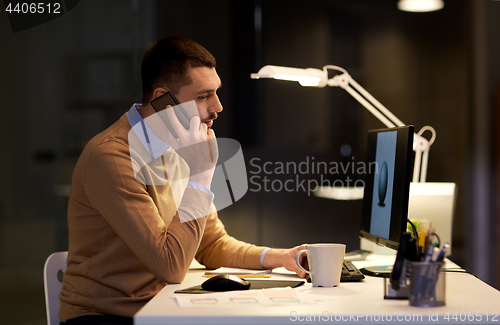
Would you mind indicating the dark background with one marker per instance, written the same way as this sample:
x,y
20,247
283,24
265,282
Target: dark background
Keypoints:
x,y
66,80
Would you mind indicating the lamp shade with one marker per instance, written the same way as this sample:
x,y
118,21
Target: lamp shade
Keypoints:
x,y
306,77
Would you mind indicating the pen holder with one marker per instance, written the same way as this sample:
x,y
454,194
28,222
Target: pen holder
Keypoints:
x,y
427,284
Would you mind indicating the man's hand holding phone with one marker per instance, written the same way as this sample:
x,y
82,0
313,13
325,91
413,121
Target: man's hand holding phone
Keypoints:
x,y
197,146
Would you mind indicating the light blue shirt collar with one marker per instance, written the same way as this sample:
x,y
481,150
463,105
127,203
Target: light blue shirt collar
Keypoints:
x,y
148,138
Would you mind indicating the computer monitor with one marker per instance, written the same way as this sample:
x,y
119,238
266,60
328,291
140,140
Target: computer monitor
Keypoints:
x,y
389,162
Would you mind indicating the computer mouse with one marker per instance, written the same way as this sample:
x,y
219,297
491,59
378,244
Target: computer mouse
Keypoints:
x,y
225,282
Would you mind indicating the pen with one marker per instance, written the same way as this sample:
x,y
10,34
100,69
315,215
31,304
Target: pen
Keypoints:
x,y
243,275
435,254
428,253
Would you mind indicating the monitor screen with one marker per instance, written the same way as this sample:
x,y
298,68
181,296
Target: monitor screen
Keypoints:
x,y
385,200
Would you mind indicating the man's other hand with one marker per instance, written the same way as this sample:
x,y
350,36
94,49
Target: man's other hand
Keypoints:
x,y
278,257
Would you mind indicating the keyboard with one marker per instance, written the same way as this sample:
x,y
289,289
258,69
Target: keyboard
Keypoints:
x,y
356,255
350,273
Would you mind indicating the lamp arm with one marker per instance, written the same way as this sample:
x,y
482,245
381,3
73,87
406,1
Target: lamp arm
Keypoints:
x,y
372,99
417,165
369,107
345,81
421,145
423,171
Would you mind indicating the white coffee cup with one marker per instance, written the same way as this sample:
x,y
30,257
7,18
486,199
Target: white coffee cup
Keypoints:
x,y
325,263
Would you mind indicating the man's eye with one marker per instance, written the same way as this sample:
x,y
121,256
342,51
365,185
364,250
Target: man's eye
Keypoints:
x,y
203,97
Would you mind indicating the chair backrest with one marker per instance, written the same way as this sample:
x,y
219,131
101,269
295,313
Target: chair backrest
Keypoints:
x,y
53,272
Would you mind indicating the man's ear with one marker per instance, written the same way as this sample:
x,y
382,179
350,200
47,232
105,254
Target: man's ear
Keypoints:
x,y
158,92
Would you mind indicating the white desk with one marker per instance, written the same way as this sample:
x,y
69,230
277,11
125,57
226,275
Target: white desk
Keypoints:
x,y
468,300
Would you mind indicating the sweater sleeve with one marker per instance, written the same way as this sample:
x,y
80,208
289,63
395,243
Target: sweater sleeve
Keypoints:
x,y
218,249
159,239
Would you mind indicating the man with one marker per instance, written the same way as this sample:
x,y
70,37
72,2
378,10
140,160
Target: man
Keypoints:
x,y
135,224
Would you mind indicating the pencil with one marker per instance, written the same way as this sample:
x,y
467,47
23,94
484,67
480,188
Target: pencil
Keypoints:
x,y
243,275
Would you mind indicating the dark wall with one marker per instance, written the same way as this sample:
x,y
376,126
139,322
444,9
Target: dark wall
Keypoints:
x,y
61,83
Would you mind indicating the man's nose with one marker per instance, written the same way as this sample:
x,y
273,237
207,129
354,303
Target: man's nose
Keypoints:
x,y
216,106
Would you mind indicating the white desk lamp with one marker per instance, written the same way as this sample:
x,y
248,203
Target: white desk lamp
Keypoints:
x,y
434,201
319,78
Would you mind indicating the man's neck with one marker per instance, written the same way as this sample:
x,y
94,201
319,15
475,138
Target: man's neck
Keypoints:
x,y
146,110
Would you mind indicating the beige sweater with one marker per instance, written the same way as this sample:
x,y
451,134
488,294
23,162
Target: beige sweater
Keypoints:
x,y
126,240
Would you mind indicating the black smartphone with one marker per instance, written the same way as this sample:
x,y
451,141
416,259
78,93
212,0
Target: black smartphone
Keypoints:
x,y
161,103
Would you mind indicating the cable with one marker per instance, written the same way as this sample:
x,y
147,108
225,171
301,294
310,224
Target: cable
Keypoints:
x,y
415,232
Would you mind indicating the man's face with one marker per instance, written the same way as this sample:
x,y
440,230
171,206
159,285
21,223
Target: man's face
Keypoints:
x,y
203,88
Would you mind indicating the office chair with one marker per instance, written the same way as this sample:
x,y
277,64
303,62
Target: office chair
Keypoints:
x,y
53,272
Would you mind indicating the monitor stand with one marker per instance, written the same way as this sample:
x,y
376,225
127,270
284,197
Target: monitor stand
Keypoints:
x,y
383,271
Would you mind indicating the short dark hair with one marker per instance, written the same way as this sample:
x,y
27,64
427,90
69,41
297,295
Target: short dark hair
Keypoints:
x,y
166,62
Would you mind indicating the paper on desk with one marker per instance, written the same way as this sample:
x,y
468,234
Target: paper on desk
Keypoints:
x,y
263,297
232,270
